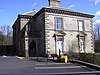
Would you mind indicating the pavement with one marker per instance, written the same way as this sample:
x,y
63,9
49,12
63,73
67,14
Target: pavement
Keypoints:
x,y
16,65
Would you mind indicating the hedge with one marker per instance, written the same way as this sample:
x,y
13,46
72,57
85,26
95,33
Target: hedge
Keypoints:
x,y
87,57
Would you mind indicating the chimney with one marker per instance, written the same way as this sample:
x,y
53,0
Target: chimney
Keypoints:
x,y
54,3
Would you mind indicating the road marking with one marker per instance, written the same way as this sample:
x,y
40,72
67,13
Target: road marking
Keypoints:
x,y
59,67
21,58
3,56
52,63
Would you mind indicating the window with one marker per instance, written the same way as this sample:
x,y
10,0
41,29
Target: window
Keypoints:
x,y
81,25
59,23
27,27
82,44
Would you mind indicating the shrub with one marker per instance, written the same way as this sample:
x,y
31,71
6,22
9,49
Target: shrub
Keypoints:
x,y
73,56
97,59
87,57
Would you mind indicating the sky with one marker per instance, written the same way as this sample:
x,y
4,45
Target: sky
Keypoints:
x,y
9,9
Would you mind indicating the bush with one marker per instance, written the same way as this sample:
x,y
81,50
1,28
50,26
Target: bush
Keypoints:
x,y
73,56
97,59
87,57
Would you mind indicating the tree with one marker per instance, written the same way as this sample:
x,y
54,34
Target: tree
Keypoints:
x,y
1,37
5,35
97,37
97,32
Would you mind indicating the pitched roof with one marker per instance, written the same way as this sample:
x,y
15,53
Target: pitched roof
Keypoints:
x,y
30,13
68,12
55,10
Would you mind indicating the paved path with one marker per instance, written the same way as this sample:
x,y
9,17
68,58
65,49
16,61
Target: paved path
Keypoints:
x,y
21,65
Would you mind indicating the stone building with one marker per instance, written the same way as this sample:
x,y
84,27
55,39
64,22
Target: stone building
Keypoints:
x,y
53,29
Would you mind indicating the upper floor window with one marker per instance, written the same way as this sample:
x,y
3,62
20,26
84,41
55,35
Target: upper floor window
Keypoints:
x,y
27,27
81,25
59,23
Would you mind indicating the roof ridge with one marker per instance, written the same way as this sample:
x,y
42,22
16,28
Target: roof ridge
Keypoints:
x,y
32,12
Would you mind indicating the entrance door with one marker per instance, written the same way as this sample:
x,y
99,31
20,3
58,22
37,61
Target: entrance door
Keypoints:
x,y
82,45
59,46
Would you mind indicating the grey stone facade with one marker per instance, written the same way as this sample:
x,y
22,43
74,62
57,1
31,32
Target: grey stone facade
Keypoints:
x,y
70,26
35,35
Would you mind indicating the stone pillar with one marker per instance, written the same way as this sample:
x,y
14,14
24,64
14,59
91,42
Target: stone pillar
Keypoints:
x,y
26,45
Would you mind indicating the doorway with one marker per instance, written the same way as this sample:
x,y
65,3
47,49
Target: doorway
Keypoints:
x,y
32,49
59,45
82,44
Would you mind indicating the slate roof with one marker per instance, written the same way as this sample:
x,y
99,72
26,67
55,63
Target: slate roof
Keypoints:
x,y
55,10
30,13
68,12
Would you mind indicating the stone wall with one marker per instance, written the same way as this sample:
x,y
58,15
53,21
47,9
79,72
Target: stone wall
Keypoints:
x,y
42,30
39,25
70,25
16,29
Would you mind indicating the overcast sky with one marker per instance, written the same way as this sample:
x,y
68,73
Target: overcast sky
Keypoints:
x,y
9,9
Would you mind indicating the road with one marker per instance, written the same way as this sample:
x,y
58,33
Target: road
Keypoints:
x,y
15,64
